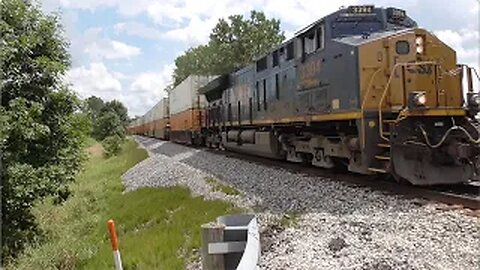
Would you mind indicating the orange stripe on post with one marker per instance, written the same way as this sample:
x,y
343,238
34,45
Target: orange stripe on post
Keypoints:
x,y
113,234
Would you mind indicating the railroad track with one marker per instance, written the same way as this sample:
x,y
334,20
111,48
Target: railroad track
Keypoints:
x,y
457,196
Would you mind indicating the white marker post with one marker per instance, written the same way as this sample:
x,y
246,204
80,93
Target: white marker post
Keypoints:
x,y
113,238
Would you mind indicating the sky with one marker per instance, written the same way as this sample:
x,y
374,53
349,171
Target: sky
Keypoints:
x,y
125,49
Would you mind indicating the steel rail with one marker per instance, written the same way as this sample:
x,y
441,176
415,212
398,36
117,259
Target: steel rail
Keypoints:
x,y
466,196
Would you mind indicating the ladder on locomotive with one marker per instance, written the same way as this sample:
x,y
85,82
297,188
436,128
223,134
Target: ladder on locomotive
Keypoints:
x,y
381,163
386,120
389,120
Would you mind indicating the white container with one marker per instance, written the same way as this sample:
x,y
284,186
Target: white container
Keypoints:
x,y
146,117
150,116
160,110
185,96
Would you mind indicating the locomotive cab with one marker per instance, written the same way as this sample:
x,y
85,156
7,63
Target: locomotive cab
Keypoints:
x,y
411,84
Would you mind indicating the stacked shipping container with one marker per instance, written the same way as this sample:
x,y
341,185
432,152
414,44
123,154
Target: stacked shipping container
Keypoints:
x,y
179,117
187,109
160,120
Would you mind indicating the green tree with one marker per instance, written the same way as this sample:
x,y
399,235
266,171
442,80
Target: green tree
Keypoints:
x,y
234,43
119,109
111,118
41,127
112,145
94,107
239,41
109,124
200,60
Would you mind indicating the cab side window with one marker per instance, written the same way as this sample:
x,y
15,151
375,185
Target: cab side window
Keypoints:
x,y
313,40
309,43
321,37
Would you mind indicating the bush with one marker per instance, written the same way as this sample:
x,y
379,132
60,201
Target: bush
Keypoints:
x,y
41,128
112,145
109,124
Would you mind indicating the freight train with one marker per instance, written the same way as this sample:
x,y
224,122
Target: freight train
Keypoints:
x,y
363,87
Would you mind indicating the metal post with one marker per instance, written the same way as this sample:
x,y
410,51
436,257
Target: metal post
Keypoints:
x,y
212,233
113,238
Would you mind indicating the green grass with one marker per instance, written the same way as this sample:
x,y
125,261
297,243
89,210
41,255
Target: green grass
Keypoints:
x,y
289,219
157,227
90,142
217,186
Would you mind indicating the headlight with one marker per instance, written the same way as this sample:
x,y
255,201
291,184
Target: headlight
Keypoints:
x,y
475,100
473,103
417,99
420,99
419,44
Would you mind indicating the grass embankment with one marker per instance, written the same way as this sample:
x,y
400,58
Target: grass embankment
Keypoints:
x,y
157,227
217,186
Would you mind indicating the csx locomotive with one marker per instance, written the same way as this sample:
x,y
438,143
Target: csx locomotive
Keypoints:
x,y
364,88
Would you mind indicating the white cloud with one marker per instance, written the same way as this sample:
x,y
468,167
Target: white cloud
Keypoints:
x,y
153,82
111,49
133,28
88,46
147,89
184,11
147,82
464,42
196,32
288,34
94,79
90,4
302,13
167,10
139,92
194,19
191,21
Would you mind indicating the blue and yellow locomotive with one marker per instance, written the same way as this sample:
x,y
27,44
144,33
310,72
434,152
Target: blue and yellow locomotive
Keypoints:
x,y
364,87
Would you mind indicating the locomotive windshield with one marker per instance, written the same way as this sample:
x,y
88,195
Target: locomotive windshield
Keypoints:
x,y
356,25
363,20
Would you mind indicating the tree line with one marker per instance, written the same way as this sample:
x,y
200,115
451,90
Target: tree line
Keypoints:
x,y
44,124
109,122
234,43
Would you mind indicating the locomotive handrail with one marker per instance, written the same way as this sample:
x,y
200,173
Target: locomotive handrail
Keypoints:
x,y
384,94
454,72
364,101
476,73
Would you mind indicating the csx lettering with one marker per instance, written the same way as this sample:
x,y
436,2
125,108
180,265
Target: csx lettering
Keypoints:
x,y
421,69
308,74
309,69
424,69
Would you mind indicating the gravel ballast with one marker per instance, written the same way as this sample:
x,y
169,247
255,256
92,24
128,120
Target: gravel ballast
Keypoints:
x,y
339,226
